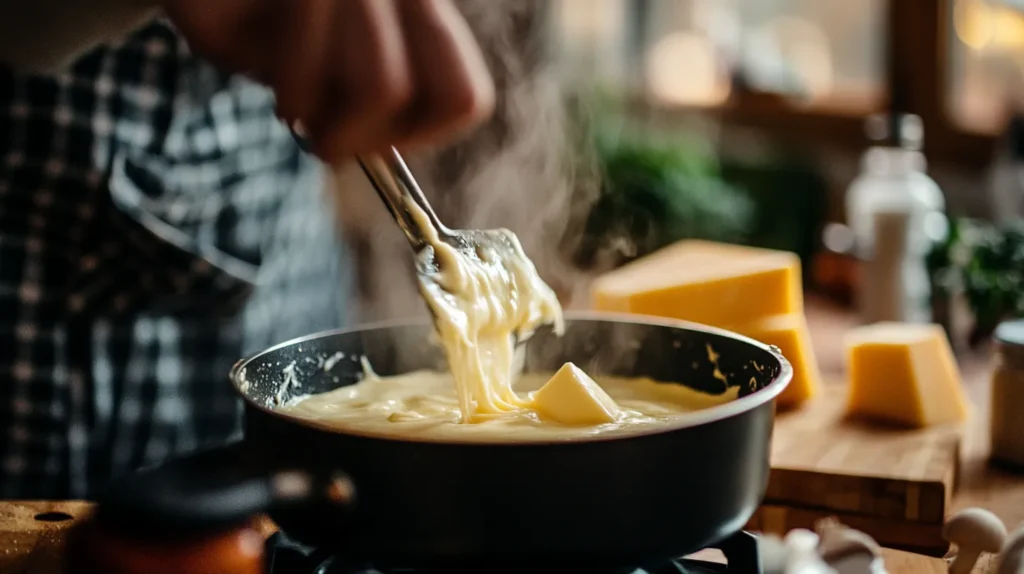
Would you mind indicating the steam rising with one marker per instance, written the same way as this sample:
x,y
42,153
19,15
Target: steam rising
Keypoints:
x,y
521,171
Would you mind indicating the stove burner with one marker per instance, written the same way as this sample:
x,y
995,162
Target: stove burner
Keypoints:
x,y
285,556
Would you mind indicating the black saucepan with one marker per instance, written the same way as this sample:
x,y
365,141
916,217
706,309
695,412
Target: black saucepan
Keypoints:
x,y
411,503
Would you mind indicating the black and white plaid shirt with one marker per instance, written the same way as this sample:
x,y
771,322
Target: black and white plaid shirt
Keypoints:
x,y
143,195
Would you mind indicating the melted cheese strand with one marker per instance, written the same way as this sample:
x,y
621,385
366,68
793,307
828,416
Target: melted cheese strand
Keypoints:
x,y
482,307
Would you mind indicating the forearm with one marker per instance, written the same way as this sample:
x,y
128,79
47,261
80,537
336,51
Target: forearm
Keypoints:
x,y
45,35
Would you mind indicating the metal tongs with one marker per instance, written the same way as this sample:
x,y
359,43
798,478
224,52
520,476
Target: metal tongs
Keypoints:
x,y
397,188
399,191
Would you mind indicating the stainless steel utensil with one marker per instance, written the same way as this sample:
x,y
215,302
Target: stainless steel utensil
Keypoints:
x,y
402,195
399,191
397,188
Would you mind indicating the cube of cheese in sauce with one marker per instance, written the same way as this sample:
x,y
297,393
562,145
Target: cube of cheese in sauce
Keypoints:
x,y
790,334
571,397
705,282
904,374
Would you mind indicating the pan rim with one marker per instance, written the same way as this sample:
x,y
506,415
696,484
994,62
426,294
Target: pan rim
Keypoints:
x,y
692,419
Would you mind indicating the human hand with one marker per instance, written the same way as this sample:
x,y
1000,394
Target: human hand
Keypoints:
x,y
360,75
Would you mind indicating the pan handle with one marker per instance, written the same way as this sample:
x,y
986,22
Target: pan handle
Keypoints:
x,y
215,490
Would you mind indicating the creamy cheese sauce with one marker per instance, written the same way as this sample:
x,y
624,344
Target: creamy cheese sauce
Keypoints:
x,y
424,405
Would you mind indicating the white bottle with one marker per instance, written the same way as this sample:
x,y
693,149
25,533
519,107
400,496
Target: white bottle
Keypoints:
x,y
896,213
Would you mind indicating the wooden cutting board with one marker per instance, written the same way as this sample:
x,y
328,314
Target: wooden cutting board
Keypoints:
x,y
893,484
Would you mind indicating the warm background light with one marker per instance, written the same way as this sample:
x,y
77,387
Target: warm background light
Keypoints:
x,y
683,69
984,26
806,50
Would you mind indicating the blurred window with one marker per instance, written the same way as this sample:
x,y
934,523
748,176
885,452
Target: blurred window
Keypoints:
x,y
812,69
986,62
826,53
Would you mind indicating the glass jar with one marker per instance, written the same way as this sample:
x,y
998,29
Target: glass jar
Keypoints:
x,y
1006,420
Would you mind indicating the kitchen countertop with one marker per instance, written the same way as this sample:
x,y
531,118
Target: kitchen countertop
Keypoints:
x,y
979,485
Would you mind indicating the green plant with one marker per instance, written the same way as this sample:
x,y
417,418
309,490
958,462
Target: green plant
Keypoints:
x,y
658,188
987,263
993,277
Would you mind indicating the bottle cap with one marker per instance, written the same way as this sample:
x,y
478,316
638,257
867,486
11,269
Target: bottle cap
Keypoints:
x,y
1010,333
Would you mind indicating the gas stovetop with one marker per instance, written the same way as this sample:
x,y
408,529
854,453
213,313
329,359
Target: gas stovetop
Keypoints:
x,y
285,556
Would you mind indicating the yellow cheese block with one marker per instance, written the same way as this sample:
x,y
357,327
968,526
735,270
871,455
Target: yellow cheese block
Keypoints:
x,y
754,292
705,282
790,334
904,374
572,397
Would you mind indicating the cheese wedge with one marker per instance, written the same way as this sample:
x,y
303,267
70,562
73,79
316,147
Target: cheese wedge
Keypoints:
x,y
790,334
573,398
754,292
705,282
904,374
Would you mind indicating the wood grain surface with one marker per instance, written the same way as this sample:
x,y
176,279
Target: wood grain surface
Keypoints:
x,y
33,534
916,537
895,484
899,562
979,484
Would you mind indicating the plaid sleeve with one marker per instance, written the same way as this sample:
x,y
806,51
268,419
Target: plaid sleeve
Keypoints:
x,y
156,222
